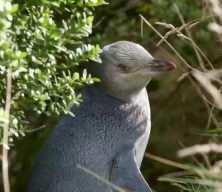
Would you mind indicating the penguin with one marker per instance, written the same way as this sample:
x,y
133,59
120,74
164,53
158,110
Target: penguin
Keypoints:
x,y
109,131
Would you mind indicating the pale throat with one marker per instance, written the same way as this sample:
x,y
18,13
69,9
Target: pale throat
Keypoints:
x,y
128,95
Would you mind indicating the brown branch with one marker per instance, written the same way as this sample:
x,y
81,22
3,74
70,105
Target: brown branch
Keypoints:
x,y
5,170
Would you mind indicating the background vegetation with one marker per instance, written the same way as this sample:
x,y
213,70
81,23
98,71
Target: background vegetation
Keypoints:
x,y
42,44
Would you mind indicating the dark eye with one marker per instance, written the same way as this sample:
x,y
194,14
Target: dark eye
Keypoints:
x,y
123,67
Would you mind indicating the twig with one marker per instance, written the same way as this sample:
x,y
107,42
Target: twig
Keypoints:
x,y
5,170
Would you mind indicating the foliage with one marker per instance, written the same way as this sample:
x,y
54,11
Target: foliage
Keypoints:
x,y
43,43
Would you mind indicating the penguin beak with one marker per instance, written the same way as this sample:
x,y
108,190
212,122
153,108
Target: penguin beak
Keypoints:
x,y
162,65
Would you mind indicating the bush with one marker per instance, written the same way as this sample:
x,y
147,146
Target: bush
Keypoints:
x,y
43,42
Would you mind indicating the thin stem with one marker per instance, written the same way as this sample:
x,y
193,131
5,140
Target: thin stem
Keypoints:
x,y
188,66
5,170
196,48
171,47
167,162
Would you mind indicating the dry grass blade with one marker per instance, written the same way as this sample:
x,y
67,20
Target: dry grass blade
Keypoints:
x,y
168,43
187,27
190,36
200,149
199,171
175,30
196,48
205,82
166,25
214,75
93,174
202,182
217,167
167,161
216,26
216,8
184,61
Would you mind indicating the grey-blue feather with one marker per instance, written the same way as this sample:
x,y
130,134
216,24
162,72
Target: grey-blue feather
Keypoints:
x,y
109,132
102,128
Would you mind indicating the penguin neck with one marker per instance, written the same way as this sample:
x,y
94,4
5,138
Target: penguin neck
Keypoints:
x,y
129,97
135,96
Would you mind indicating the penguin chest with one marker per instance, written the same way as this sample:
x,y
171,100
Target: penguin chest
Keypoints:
x,y
126,125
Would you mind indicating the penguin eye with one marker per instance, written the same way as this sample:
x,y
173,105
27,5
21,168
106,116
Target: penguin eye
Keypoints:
x,y
123,67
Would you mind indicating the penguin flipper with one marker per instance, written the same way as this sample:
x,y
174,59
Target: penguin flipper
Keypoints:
x,y
126,174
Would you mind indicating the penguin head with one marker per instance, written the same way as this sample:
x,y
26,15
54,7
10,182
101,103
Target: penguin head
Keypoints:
x,y
127,68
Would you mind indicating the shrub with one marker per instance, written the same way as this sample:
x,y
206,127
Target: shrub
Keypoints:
x,y
42,43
